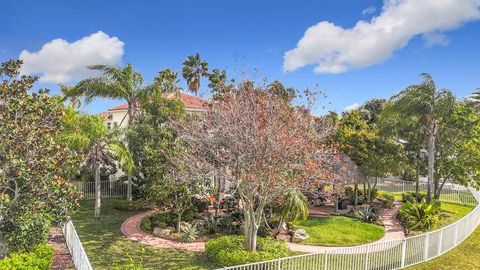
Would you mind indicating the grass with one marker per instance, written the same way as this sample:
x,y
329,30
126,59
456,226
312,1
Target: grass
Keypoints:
x,y
452,212
464,256
107,248
339,231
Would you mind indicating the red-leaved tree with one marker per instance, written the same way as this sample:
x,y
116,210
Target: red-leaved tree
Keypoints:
x,y
263,145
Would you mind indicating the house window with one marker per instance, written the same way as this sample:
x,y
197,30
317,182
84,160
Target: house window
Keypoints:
x,y
109,125
115,125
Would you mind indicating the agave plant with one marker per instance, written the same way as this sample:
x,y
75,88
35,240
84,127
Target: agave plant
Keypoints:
x,y
190,233
366,215
421,215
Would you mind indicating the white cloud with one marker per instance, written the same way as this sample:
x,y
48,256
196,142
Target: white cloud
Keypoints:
x,y
433,38
369,10
351,107
335,49
59,61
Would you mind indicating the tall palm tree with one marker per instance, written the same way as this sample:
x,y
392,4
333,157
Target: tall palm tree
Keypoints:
x,y
117,83
72,94
193,69
429,105
97,144
475,98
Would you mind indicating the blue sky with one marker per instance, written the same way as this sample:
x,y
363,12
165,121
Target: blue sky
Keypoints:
x,y
248,35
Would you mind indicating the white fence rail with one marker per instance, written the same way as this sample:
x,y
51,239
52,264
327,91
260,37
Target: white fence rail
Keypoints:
x,y
75,247
388,255
107,189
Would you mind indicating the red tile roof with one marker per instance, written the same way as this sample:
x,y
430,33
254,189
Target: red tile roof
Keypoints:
x,y
190,102
105,115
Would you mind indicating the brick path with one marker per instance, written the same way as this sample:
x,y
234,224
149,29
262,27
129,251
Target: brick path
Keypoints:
x,y
131,229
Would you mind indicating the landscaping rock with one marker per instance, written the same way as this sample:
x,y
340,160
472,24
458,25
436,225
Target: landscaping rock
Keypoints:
x,y
299,235
283,237
161,232
183,225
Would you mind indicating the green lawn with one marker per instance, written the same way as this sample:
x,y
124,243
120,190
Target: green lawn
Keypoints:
x,y
452,212
464,256
107,248
339,231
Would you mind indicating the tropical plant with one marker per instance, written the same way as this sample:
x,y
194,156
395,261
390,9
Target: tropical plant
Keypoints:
x,y
218,84
193,70
34,164
430,106
366,214
167,81
294,207
420,215
190,233
72,94
88,133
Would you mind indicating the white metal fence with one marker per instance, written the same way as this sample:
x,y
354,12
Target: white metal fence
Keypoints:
x,y
388,255
75,247
107,189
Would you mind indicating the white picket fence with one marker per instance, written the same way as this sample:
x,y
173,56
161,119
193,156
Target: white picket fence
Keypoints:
x,y
388,255
107,189
79,256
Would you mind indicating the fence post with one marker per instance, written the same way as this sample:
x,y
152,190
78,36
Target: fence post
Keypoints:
x,y
279,264
404,251
427,240
326,261
366,257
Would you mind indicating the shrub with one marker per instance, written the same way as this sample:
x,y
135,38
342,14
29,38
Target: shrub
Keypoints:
x,y
211,224
125,205
387,200
420,215
146,224
229,250
366,215
40,258
412,197
190,234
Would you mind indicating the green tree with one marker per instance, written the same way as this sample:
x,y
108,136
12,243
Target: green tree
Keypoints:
x,y
117,83
294,207
167,81
219,85
72,94
152,142
278,89
194,68
458,148
98,145
34,163
375,155
430,106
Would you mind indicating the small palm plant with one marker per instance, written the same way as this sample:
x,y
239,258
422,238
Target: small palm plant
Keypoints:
x,y
295,207
421,215
190,233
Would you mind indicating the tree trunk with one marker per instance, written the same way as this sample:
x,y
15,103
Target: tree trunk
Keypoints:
x,y
417,176
250,230
97,191
179,220
431,156
355,194
129,187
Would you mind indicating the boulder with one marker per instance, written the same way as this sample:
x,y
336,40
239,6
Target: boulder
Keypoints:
x,y
299,235
183,225
283,237
159,232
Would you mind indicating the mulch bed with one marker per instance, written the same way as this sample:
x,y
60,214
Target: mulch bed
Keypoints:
x,y
61,257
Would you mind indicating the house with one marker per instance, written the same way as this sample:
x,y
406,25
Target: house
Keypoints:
x,y
117,116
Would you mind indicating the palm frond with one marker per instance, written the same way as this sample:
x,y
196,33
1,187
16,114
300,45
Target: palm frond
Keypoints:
x,y
123,154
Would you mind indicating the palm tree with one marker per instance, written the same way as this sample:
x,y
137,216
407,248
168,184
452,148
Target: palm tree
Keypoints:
x,y
294,207
97,144
72,94
193,69
429,105
117,83
475,98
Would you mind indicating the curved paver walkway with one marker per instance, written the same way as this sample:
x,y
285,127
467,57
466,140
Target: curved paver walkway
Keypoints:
x,y
393,231
131,229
